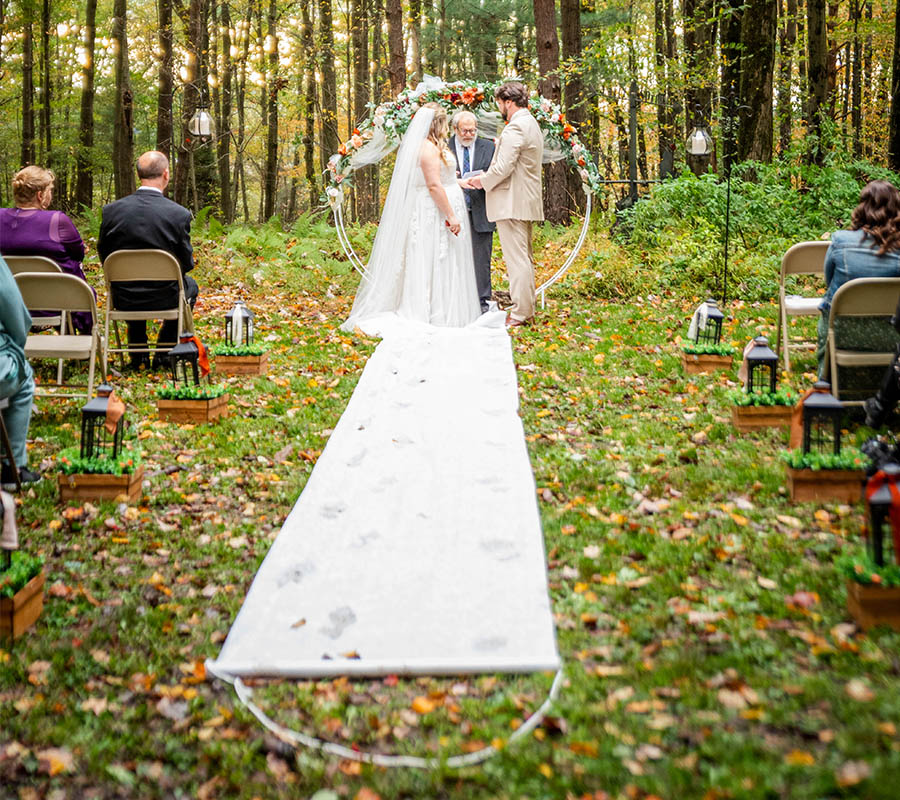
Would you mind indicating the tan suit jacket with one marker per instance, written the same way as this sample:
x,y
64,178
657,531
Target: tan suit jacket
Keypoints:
x,y
513,181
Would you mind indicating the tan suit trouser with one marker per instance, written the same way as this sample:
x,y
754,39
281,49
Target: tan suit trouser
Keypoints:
x,y
515,240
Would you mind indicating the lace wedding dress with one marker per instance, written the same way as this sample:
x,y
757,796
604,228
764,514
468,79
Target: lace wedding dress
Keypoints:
x,y
418,270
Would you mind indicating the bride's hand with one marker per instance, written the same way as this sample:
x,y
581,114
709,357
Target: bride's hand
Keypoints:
x,y
454,225
464,183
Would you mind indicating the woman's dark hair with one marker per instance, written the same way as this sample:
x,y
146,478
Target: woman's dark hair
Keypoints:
x,y
878,215
515,91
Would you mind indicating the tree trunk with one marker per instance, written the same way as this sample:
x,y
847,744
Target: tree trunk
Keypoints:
x,y
555,206
856,81
328,114
27,82
365,194
757,73
309,106
166,86
664,115
699,44
84,181
734,56
272,84
894,137
442,39
817,76
415,37
123,125
787,40
570,17
396,55
223,116
185,168
45,127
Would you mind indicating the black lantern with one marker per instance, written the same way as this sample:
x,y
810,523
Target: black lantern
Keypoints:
x,y
822,415
880,523
239,325
96,440
712,333
183,362
762,366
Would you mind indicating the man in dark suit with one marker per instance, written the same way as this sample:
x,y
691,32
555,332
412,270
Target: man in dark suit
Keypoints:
x,y
475,153
148,220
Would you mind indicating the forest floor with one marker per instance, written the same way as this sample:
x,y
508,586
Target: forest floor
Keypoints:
x,y
707,649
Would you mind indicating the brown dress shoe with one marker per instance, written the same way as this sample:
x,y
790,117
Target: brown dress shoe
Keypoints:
x,y
512,322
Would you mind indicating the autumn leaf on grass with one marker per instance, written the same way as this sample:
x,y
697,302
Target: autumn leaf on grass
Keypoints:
x,y
799,758
366,794
852,773
55,760
859,690
423,705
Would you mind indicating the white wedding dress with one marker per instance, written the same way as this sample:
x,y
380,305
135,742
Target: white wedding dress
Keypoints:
x,y
419,271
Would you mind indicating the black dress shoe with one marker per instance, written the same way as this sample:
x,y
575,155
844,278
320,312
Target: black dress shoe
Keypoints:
x,y
8,481
875,412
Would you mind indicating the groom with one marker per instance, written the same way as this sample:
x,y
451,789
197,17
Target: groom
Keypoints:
x,y
475,153
514,196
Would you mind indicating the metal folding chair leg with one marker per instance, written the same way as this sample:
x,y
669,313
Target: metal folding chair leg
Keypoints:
x,y
7,446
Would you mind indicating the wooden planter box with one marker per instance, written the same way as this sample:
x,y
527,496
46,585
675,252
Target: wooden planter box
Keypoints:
x,y
107,487
19,612
193,410
873,605
836,485
243,365
756,418
694,364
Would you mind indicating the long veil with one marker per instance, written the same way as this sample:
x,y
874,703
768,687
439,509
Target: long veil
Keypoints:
x,y
380,289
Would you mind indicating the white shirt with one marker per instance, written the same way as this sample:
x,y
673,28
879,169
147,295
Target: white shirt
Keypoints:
x,y
149,189
459,154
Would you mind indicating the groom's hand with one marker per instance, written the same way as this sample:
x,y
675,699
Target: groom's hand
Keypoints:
x,y
475,182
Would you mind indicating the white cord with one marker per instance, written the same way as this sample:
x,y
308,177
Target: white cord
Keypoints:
x,y
245,695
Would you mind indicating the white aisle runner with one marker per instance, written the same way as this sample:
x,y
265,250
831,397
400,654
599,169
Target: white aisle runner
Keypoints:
x,y
416,546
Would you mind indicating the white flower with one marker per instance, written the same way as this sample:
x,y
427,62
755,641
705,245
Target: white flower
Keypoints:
x,y
335,196
576,149
545,105
554,118
583,173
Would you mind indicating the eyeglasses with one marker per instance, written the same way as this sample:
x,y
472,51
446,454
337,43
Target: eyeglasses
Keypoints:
x,y
468,130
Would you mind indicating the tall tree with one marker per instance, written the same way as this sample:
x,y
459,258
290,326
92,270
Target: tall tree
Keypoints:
x,y
273,83
894,140
817,75
328,113
185,174
665,115
393,10
123,124
224,86
570,18
45,129
855,63
28,82
699,44
309,106
758,27
415,37
365,188
165,80
787,39
555,205
84,181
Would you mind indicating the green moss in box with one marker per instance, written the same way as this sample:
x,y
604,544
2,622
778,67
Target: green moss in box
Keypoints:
x,y
190,392
693,349
23,568
848,458
240,350
71,462
783,397
860,568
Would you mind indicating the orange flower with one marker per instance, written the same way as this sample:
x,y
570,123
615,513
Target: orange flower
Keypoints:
x,y
581,162
343,149
876,578
566,135
356,132
566,128
468,96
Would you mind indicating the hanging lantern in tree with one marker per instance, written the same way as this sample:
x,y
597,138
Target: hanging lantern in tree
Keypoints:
x,y
883,498
822,415
200,125
239,326
97,440
762,367
183,363
711,333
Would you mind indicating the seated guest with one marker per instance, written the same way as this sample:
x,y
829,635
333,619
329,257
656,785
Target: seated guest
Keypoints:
x,y
31,229
16,378
147,220
870,249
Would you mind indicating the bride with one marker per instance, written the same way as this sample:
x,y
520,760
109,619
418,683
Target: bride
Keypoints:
x,y
421,265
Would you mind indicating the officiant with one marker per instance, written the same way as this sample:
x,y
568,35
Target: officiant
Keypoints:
x,y
474,154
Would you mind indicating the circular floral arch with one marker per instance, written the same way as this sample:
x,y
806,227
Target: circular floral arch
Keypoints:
x,y
381,132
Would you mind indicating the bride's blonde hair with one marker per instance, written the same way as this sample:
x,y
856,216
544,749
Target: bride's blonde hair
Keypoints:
x,y
437,134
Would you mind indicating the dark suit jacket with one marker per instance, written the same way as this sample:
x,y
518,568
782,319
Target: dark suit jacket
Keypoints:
x,y
146,220
481,159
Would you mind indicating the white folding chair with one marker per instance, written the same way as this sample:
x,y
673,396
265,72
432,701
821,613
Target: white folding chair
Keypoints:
x,y
127,266
19,264
45,291
805,258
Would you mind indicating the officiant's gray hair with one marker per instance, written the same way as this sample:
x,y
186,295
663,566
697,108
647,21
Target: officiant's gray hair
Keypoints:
x,y
459,116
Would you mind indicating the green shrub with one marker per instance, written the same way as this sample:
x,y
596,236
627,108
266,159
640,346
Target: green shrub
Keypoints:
x,y
782,397
860,567
709,349
239,350
848,458
71,462
202,392
23,568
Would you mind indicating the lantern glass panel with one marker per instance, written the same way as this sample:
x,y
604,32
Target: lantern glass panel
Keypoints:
x,y
762,367
712,333
822,416
183,364
239,326
880,538
96,439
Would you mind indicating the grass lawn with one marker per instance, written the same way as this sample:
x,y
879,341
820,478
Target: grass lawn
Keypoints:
x,y
707,649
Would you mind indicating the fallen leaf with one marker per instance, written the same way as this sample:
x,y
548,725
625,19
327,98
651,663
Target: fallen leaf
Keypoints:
x,y
859,690
96,704
731,699
852,773
55,760
766,583
422,705
799,758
